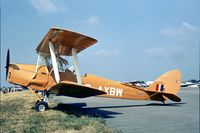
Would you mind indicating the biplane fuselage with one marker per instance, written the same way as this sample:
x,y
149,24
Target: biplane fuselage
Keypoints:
x,y
55,77
25,75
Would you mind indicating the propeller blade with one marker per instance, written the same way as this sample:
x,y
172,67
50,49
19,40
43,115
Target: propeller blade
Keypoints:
x,y
7,62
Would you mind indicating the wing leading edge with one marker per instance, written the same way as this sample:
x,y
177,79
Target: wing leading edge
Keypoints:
x,y
72,89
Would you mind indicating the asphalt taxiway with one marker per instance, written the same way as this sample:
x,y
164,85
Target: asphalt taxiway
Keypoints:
x,y
141,116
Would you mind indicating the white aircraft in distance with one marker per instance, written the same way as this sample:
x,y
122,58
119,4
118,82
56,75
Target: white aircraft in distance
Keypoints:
x,y
138,83
191,83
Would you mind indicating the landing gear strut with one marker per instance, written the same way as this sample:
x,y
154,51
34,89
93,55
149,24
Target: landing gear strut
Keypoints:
x,y
42,104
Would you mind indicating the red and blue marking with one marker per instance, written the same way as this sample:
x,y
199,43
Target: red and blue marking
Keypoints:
x,y
160,87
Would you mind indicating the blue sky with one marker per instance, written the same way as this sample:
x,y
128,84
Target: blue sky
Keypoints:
x,y
137,39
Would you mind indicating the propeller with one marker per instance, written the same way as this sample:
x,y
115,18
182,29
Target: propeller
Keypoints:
x,y
7,63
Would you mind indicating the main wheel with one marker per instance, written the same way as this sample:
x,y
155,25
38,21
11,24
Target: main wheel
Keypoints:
x,y
41,106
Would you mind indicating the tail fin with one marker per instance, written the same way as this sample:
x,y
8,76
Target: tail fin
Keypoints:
x,y
166,86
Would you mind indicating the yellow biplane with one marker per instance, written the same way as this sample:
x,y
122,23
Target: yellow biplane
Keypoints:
x,y
51,74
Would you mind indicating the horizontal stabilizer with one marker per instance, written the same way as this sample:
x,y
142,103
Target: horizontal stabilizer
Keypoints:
x,y
172,97
72,89
166,87
161,96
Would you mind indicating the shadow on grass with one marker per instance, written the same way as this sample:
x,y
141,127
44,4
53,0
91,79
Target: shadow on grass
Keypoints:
x,y
80,109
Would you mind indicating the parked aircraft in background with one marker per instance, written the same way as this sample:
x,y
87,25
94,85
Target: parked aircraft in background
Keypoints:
x,y
191,83
149,82
52,74
138,83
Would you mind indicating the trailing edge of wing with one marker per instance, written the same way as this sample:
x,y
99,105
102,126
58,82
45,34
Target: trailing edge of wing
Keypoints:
x,y
74,90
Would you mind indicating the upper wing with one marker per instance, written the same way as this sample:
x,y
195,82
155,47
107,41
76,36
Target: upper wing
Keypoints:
x,y
64,40
72,89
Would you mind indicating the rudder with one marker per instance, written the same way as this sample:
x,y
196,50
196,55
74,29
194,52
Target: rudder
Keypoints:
x,y
167,85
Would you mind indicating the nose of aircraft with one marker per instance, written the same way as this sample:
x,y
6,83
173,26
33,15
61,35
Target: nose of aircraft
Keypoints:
x,y
7,62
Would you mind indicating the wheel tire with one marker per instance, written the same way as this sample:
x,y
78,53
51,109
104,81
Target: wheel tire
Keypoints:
x,y
41,106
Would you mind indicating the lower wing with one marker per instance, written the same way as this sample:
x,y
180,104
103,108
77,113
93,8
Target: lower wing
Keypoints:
x,y
72,89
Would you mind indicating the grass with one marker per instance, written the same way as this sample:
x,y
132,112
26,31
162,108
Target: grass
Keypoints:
x,y
18,115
